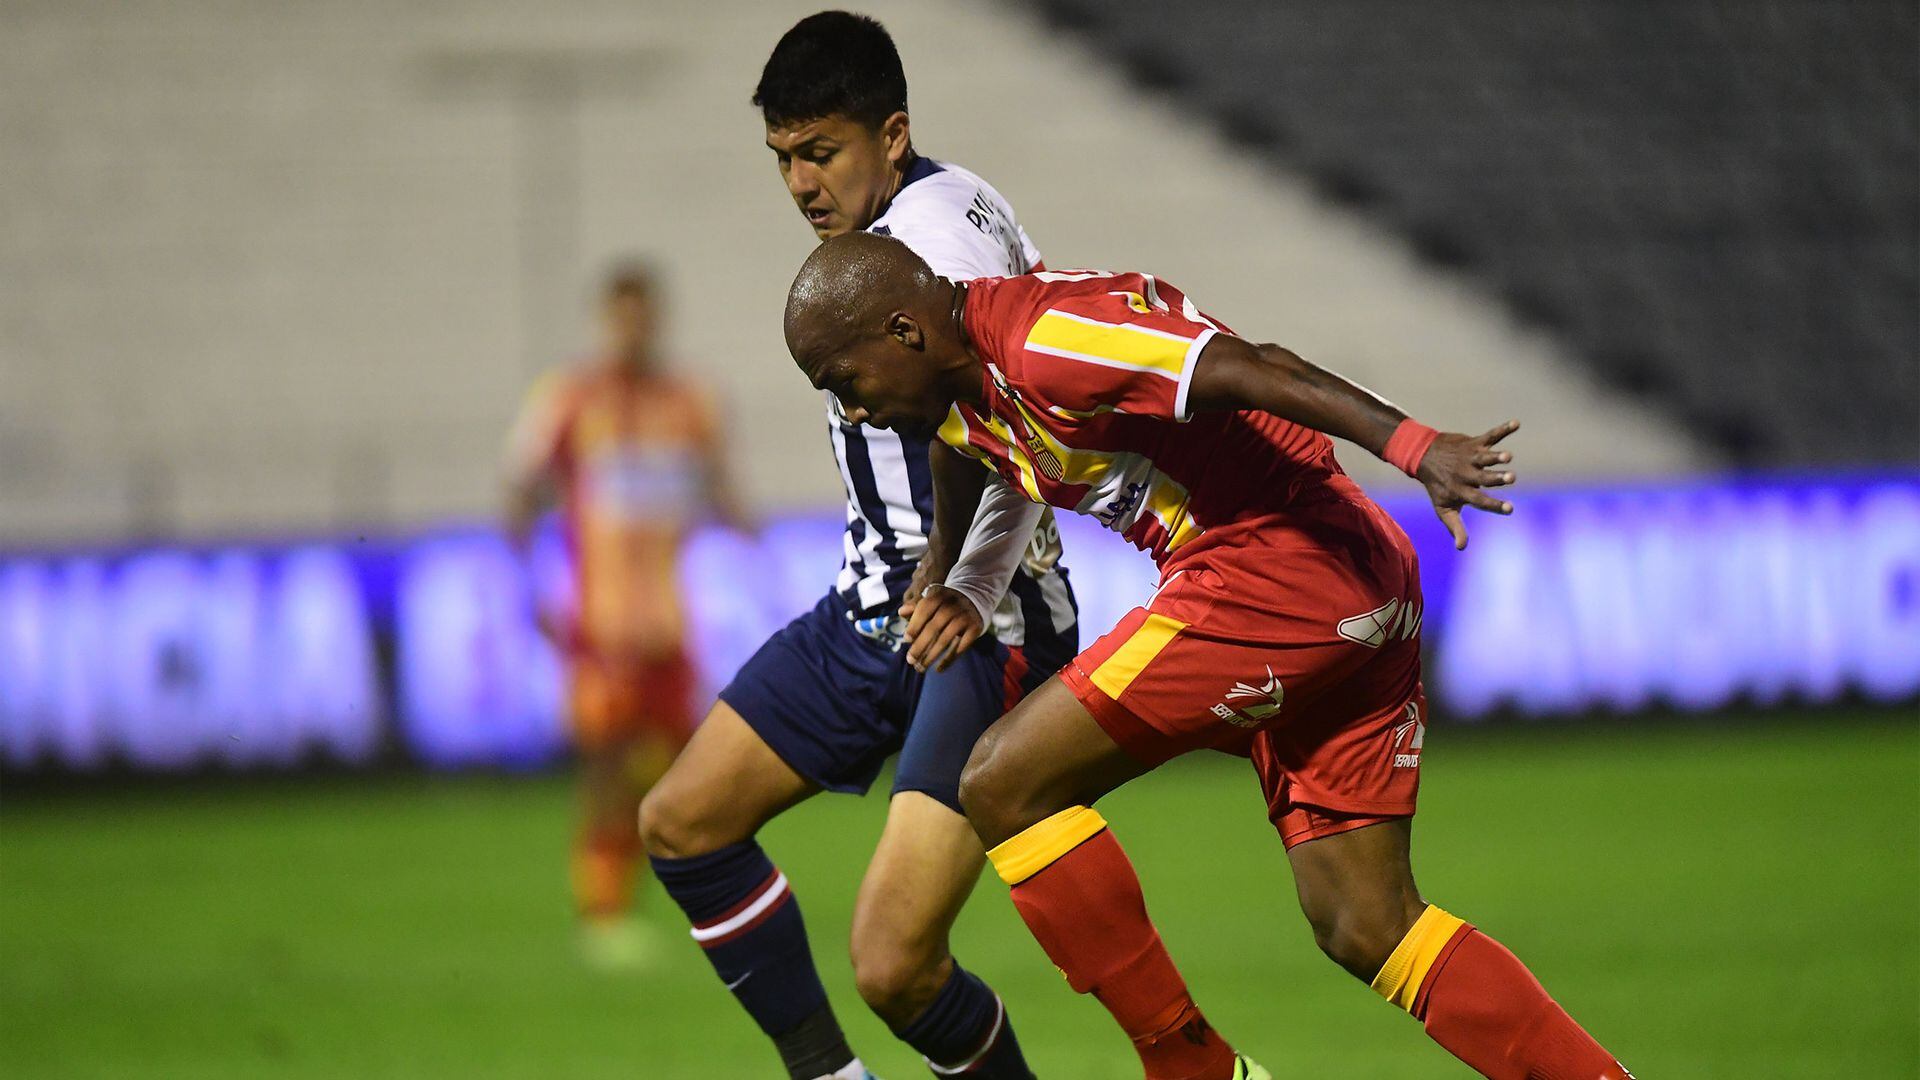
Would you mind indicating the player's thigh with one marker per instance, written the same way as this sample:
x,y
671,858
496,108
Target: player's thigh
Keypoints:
x,y
1357,890
1046,755
922,872
725,785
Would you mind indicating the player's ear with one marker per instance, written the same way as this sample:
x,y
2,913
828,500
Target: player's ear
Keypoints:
x,y
896,133
905,329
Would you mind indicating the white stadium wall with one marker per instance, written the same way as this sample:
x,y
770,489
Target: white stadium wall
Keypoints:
x,y
272,268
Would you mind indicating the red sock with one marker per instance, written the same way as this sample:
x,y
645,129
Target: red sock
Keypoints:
x,y
1084,907
605,863
1482,1004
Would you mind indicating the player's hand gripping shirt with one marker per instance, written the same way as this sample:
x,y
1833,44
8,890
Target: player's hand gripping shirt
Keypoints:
x,y
1087,375
630,457
963,229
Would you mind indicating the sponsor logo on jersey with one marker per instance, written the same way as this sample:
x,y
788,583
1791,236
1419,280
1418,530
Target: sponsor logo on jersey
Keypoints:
x,y
1252,704
1390,621
1408,738
1044,458
1122,504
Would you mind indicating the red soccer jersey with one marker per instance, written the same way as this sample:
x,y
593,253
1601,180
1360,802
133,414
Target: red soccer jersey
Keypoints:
x,y
1086,409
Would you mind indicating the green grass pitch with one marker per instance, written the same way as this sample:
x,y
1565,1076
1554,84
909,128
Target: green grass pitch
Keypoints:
x,y
1740,900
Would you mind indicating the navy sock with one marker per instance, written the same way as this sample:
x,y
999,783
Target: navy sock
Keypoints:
x,y
966,1029
748,921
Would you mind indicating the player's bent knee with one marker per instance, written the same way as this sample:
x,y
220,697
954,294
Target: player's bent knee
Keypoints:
x,y
1357,940
674,826
984,792
999,797
660,832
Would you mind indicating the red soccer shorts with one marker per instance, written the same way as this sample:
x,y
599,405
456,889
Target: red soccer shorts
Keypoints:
x,y
612,702
1295,643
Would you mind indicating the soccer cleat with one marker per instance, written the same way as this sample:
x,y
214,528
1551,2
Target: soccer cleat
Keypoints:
x,y
852,1070
619,945
1245,1068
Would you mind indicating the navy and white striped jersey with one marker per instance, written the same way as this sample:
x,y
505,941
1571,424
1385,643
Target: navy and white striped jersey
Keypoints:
x,y
963,229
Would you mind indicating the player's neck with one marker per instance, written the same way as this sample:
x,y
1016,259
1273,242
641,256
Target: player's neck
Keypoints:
x,y
966,381
633,365
899,180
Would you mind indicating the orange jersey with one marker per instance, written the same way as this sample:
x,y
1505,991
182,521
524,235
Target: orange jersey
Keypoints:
x,y
630,455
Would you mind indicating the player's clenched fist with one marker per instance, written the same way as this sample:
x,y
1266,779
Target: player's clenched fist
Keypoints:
x,y
941,625
1457,468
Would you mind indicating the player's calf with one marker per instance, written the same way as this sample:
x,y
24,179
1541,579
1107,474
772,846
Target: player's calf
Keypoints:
x,y
1072,883
923,869
1476,999
1481,1003
897,983
964,1028
698,826
1357,891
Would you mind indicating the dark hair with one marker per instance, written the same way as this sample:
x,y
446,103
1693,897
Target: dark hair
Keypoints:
x,y
833,63
628,277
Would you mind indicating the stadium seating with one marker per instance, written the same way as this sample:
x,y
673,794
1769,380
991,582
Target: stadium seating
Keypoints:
x,y
1716,203
278,271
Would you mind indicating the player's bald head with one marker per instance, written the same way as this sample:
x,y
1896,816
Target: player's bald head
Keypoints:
x,y
846,290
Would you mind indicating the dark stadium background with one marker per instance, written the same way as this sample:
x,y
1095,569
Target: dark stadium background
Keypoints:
x,y
282,784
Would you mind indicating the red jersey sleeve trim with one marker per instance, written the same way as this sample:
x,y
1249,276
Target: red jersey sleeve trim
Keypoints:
x,y
1192,361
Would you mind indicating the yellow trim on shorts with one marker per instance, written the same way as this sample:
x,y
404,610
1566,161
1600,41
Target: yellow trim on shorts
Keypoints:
x,y
1041,844
1118,671
1400,977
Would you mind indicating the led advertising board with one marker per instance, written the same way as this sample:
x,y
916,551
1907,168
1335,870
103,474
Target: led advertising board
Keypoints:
x,y
1682,596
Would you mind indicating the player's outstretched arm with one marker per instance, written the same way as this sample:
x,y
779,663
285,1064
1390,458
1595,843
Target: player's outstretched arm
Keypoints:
x,y
1233,374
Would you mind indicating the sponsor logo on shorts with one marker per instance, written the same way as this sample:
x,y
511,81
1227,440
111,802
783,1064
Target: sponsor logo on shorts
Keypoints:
x,y
1390,621
1261,702
887,631
1408,737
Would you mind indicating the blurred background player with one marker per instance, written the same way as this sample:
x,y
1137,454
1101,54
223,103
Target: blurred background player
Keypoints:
x,y
632,454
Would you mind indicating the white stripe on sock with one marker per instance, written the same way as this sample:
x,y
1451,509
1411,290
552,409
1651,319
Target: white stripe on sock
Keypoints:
x,y
993,1036
751,912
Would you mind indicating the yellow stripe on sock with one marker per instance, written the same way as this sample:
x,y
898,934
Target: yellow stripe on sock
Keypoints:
x,y
1400,977
1040,844
1119,670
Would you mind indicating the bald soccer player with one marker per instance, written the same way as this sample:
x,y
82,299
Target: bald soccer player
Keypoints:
x,y
1286,624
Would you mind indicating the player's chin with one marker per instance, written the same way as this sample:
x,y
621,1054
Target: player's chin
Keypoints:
x,y
912,427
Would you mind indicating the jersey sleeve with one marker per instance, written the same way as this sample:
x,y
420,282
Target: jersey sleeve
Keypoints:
x,y
537,444
1119,350
998,540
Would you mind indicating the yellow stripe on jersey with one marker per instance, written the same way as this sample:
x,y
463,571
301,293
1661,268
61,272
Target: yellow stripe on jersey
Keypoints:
x,y
1127,662
953,432
1168,502
1115,344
